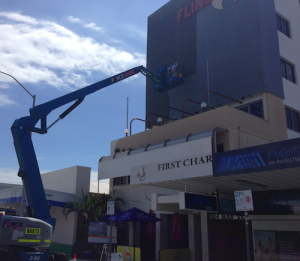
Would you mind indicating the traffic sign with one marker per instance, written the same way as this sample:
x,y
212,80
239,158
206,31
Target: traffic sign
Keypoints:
x,y
110,208
243,200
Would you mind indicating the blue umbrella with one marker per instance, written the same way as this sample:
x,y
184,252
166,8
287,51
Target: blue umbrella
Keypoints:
x,y
135,214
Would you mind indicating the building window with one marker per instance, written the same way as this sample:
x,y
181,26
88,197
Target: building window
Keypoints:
x,y
292,120
283,25
255,108
287,70
121,180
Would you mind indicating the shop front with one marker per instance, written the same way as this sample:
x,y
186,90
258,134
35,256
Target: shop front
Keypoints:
x,y
271,171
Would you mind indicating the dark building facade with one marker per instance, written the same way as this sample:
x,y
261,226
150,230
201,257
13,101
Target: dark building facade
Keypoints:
x,y
238,44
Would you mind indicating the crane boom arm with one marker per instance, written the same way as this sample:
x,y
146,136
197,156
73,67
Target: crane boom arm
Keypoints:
x,y
22,128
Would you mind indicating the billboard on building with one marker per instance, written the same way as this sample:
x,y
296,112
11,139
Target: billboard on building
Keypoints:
x,y
272,156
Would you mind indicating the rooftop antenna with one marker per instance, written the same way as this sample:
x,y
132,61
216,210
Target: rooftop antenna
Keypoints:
x,y
208,92
126,130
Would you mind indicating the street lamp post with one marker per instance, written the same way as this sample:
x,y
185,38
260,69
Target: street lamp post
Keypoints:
x,y
33,104
33,96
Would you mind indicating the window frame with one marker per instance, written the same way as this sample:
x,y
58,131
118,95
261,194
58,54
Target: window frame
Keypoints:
x,y
280,27
248,108
291,111
286,76
119,181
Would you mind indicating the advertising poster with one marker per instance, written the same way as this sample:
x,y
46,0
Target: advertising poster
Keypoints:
x,y
265,248
99,232
276,245
127,253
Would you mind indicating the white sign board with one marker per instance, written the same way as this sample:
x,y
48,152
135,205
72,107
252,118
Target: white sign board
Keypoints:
x,y
110,207
184,160
116,257
243,200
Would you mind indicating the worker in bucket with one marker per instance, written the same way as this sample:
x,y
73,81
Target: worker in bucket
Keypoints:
x,y
175,69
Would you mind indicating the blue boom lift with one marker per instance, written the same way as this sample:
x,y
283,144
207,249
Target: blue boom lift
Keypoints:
x,y
28,238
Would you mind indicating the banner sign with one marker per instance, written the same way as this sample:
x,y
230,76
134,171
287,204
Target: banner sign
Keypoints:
x,y
99,232
199,202
273,156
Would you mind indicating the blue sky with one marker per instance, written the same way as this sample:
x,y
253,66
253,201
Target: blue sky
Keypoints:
x,y
55,47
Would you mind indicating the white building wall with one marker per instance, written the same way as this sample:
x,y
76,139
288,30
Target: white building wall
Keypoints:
x,y
290,51
136,196
65,229
70,180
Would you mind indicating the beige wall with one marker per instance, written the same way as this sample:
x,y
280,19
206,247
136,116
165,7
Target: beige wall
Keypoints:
x,y
243,129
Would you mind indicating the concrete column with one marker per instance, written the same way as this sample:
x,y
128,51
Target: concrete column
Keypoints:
x,y
161,234
194,222
204,235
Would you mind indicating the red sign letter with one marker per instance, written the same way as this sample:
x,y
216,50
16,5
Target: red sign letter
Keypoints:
x,y
179,15
198,4
186,14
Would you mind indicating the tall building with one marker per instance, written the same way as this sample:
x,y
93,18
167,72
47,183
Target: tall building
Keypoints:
x,y
241,58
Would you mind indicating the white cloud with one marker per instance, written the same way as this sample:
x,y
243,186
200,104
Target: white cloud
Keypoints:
x,y
40,51
94,177
135,32
73,19
4,100
4,85
92,26
45,171
19,18
10,176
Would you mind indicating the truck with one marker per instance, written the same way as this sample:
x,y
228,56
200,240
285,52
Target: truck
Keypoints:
x,y
29,238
